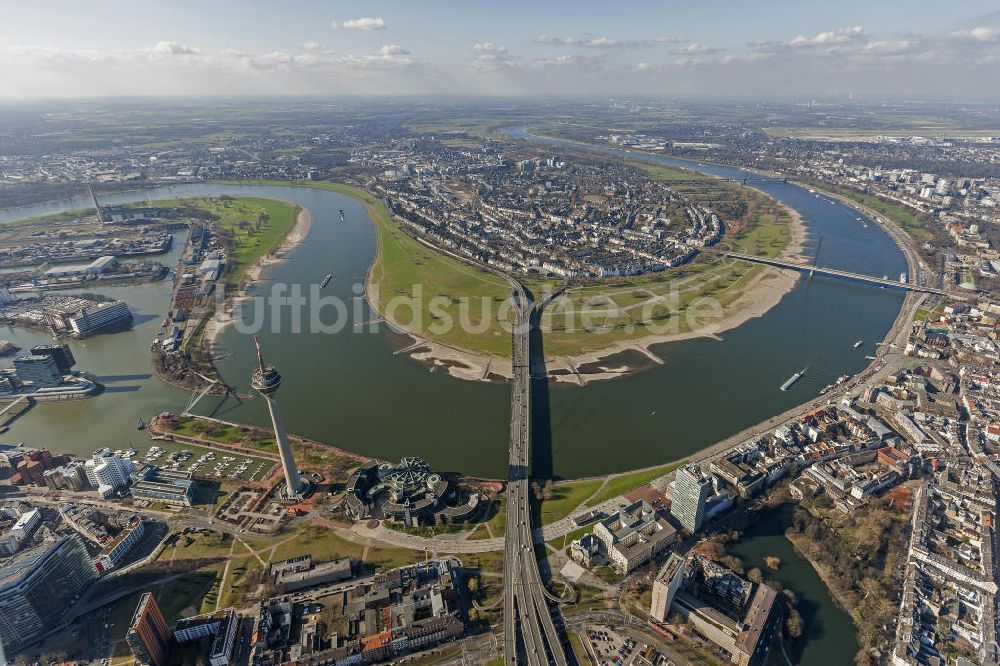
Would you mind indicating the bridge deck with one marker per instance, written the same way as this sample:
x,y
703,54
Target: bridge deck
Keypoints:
x,y
808,268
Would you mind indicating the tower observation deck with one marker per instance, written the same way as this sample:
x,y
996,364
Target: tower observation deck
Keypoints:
x,y
266,380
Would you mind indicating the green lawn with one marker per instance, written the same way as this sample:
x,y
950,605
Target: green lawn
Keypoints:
x,y
566,496
324,545
204,543
491,562
243,576
637,307
255,227
660,172
193,593
498,522
582,657
619,485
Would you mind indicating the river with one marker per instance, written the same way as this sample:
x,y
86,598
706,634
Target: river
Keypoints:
x,y
349,390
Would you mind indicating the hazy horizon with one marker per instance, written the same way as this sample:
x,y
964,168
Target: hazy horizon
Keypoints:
x,y
64,50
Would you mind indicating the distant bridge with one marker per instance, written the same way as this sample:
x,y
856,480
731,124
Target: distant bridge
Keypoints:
x,y
715,181
808,268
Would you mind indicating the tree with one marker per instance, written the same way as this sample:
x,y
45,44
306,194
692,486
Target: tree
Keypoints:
x,y
772,562
755,576
794,624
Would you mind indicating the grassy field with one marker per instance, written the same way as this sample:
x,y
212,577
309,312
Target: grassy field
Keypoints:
x,y
192,593
618,485
566,496
255,227
203,543
498,522
243,574
589,317
660,172
324,545
335,465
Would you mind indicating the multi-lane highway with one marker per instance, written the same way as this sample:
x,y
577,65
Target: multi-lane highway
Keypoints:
x,y
530,634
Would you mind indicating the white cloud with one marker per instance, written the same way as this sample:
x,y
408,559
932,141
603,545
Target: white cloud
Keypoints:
x,y
697,49
386,57
362,23
312,46
832,37
980,33
491,57
489,47
173,48
890,46
393,50
603,42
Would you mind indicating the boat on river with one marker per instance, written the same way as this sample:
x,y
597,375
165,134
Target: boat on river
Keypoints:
x,y
791,380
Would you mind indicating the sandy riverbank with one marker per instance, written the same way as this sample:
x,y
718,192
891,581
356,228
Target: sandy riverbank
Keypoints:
x,y
220,319
764,291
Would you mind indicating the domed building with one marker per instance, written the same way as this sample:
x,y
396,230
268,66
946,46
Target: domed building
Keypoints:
x,y
409,492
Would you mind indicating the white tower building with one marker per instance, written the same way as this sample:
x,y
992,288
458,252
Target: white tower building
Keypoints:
x,y
266,381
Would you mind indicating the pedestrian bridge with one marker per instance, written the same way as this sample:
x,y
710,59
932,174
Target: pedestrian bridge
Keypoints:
x,y
811,269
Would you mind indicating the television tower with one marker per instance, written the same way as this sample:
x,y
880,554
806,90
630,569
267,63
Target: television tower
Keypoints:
x,y
266,381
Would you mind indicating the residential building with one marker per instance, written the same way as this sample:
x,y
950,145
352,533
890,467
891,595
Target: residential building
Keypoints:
x,y
221,625
148,635
115,552
67,477
665,586
37,587
108,472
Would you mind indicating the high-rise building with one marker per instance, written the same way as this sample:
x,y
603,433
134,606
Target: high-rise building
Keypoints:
x,y
61,353
39,371
267,381
149,635
108,472
71,476
221,626
38,586
665,586
691,490
99,317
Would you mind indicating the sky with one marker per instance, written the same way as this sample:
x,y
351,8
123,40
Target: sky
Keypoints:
x,y
100,48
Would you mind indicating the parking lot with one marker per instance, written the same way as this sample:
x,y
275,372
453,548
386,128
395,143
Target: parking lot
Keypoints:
x,y
611,648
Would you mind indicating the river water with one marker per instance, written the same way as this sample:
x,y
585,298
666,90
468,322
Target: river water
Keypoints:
x,y
348,389
830,638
